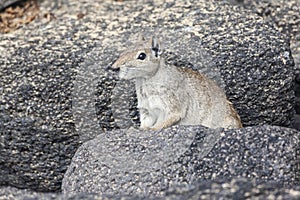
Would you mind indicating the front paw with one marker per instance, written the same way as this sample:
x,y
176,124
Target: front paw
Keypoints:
x,y
156,128
153,128
147,122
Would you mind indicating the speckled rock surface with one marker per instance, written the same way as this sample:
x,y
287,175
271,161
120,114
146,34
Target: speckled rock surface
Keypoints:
x,y
233,188
5,3
130,162
50,65
284,14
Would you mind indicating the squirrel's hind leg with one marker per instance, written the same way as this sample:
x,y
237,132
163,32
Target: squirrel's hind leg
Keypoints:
x,y
172,119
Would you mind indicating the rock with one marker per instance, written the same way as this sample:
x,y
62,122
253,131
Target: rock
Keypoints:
x,y
11,193
296,122
57,90
5,3
284,15
148,163
129,161
234,188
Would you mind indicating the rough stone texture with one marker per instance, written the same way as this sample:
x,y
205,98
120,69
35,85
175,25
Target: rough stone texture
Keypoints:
x,y
284,14
132,161
43,64
128,162
234,188
38,137
5,3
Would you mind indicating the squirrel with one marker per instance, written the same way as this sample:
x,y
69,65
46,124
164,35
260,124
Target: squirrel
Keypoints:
x,y
168,95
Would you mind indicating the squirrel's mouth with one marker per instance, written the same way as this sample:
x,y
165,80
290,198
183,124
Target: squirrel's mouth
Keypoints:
x,y
114,69
129,67
126,73
131,72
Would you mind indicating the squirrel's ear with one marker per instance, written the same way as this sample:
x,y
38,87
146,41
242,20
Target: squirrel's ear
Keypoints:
x,y
155,46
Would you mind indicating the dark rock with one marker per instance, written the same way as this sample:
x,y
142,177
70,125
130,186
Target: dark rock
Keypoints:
x,y
296,123
284,15
33,157
266,153
38,137
297,106
148,163
5,3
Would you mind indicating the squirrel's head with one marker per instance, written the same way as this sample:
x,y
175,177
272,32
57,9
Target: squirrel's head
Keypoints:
x,y
140,61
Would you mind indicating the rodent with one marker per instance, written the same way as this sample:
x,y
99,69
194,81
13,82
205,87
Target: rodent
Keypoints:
x,y
168,95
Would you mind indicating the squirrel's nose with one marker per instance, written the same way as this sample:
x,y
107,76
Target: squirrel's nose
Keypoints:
x,y
115,66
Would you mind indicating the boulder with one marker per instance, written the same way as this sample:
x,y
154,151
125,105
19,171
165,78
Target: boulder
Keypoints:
x,y
233,188
284,15
134,162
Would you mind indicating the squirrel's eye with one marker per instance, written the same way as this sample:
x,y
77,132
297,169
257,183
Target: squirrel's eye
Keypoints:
x,y
142,56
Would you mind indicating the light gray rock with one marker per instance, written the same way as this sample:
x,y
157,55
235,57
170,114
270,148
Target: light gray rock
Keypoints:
x,y
148,163
129,161
233,188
